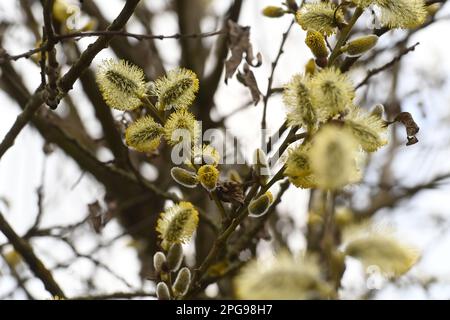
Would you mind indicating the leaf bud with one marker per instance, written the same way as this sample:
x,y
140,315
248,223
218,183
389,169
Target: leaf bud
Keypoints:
x,y
182,282
273,12
175,257
259,206
184,177
162,291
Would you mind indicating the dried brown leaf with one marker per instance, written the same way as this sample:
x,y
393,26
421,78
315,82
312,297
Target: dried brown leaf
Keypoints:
x,y
231,191
247,78
95,216
411,127
239,44
98,217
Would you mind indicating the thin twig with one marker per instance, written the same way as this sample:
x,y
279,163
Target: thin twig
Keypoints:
x,y
51,69
270,81
116,295
137,36
21,121
388,65
66,83
28,255
21,282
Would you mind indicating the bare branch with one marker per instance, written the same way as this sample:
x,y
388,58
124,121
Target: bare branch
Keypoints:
x,y
388,65
270,81
35,264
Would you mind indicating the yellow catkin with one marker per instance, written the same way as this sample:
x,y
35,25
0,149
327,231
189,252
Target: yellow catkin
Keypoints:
x,y
316,43
323,17
331,93
176,90
333,157
310,67
122,84
181,126
144,134
298,168
281,277
177,224
208,176
369,129
378,247
399,13
297,99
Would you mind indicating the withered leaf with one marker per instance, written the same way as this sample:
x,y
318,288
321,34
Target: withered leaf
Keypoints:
x,y
98,217
247,78
231,191
239,44
95,216
411,127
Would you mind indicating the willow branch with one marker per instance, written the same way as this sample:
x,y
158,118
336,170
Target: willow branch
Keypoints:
x,y
21,121
344,36
388,65
27,253
137,36
66,83
116,295
270,81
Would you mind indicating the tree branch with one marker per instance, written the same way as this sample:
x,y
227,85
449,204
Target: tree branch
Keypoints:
x,y
270,81
27,253
388,65
66,83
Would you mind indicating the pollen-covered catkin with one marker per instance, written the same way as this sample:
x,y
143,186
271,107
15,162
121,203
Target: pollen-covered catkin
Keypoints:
x,y
323,17
144,134
333,158
122,84
378,247
176,90
297,99
404,14
208,176
177,224
331,93
281,277
298,167
181,126
368,129
316,43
